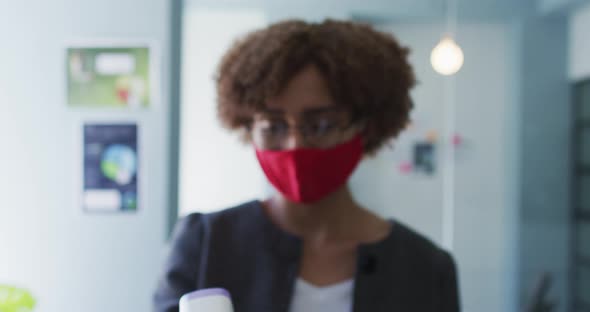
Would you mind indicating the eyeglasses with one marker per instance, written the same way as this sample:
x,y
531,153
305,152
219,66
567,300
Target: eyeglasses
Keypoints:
x,y
270,132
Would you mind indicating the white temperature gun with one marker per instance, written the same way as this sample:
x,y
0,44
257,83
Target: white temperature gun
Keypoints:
x,y
206,300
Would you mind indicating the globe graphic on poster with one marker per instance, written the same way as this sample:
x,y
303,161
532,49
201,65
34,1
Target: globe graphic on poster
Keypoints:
x,y
119,163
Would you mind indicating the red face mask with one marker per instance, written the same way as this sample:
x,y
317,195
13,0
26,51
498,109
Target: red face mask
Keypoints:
x,y
307,175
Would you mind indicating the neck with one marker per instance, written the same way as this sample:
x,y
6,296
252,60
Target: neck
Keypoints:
x,y
329,217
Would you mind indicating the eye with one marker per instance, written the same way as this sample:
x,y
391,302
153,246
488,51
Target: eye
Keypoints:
x,y
273,126
321,126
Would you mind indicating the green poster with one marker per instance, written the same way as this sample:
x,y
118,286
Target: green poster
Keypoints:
x,y
109,77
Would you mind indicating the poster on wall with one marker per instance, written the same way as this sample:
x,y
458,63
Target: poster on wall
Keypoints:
x,y
110,76
424,158
110,167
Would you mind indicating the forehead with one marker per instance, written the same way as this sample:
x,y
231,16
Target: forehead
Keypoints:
x,y
306,92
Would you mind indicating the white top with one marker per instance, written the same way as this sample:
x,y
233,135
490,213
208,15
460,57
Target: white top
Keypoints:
x,y
333,298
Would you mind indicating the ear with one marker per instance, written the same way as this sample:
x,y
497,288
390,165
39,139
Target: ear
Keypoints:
x,y
245,134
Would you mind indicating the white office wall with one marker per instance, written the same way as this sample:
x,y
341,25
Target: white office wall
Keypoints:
x,y
216,170
69,260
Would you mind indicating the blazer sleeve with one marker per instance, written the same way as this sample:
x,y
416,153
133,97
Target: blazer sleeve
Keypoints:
x,y
450,301
180,272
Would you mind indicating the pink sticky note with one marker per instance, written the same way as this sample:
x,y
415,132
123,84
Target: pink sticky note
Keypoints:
x,y
406,167
457,140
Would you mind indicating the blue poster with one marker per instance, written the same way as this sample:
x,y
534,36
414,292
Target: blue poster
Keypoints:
x,y
110,168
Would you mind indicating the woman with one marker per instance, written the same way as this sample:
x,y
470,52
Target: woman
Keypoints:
x,y
313,100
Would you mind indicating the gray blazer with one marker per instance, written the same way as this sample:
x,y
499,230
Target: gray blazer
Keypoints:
x,y
239,249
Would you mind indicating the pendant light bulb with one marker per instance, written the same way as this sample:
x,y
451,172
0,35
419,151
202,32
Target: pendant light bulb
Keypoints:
x,y
447,57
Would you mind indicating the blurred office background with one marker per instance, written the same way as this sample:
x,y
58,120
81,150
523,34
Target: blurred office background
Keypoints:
x,y
521,172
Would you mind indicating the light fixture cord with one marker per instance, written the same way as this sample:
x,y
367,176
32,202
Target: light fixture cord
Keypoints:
x,y
452,16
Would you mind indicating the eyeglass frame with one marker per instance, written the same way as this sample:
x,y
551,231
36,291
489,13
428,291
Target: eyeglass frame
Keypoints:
x,y
358,121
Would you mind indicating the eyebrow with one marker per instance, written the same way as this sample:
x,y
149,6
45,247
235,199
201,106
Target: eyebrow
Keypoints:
x,y
307,112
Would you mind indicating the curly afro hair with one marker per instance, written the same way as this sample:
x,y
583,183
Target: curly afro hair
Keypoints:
x,y
366,71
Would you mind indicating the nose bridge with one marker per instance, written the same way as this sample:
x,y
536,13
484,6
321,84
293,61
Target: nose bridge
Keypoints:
x,y
294,139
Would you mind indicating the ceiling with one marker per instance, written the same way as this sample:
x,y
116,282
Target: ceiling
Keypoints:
x,y
389,10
